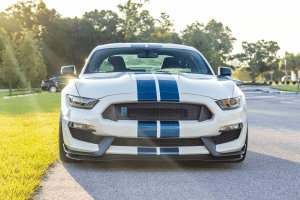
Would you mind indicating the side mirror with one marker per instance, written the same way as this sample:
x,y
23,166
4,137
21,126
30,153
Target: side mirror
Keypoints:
x,y
224,71
68,70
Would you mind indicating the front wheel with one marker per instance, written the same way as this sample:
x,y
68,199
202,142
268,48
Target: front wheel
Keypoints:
x,y
62,153
53,89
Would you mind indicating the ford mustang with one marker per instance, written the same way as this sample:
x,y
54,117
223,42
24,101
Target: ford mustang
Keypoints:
x,y
149,101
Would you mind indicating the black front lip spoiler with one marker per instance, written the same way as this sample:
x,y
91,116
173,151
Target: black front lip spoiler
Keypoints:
x,y
103,146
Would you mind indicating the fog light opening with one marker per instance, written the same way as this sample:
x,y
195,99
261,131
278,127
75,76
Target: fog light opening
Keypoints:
x,y
231,127
81,126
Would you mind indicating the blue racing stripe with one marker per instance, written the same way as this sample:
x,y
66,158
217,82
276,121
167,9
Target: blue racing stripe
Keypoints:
x,y
168,87
146,88
147,129
169,129
169,150
146,150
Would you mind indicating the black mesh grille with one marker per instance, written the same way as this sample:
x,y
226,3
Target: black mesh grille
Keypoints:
x,y
85,135
88,136
154,111
227,136
178,142
145,142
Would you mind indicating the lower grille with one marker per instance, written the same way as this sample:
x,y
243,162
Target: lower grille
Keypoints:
x,y
226,136
145,142
88,136
156,111
85,135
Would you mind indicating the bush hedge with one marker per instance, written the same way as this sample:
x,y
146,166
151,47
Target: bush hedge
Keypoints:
x,y
255,83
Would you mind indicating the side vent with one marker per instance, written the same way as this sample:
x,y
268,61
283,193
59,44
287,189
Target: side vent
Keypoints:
x,y
205,114
110,113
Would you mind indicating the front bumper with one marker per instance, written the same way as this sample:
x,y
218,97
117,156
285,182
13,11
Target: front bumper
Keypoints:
x,y
228,157
45,87
77,149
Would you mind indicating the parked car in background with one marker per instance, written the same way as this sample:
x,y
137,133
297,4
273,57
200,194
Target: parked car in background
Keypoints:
x,y
55,84
286,78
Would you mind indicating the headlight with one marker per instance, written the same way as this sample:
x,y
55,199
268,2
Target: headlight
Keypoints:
x,y
81,102
229,104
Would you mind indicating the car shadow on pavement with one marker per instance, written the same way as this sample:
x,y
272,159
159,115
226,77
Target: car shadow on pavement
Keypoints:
x,y
258,177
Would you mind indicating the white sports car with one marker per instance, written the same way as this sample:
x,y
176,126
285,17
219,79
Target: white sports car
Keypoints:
x,y
143,101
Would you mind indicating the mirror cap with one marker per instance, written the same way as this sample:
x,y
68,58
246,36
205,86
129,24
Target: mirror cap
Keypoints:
x,y
68,70
224,71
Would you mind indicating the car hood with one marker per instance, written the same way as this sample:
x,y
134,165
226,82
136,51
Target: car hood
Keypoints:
x,y
106,84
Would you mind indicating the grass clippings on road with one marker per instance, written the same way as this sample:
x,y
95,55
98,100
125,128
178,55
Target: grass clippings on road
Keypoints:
x,y
288,88
28,142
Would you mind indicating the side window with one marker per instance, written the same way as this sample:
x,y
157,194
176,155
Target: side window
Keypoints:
x,y
64,79
106,66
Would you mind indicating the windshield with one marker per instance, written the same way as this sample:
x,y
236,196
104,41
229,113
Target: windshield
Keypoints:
x,y
147,60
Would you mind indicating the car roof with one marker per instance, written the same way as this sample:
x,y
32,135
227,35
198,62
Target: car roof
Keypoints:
x,y
153,45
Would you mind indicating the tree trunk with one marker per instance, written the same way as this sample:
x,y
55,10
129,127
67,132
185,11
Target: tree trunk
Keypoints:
x,y
253,78
10,87
262,77
29,87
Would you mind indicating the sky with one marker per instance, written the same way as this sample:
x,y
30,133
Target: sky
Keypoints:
x,y
249,20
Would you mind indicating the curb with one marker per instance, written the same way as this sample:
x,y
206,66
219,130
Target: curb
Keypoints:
x,y
274,92
24,95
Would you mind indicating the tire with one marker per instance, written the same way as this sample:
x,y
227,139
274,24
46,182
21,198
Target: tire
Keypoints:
x,y
244,155
62,153
53,89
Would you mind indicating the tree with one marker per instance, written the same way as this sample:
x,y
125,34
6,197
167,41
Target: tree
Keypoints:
x,y
107,25
9,27
136,25
213,40
32,15
29,57
292,62
260,56
164,32
241,74
8,68
41,70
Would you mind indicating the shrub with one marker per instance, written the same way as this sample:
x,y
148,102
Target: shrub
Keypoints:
x,y
282,82
294,82
287,82
270,82
276,82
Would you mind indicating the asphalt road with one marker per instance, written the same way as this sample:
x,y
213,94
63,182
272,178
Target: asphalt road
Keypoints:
x,y
271,169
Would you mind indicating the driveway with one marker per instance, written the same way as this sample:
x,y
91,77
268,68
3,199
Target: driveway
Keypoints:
x,y
271,169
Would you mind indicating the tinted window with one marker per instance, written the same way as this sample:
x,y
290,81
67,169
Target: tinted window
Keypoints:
x,y
167,61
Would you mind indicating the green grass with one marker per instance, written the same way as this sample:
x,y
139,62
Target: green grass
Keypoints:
x,y
28,142
289,88
43,102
